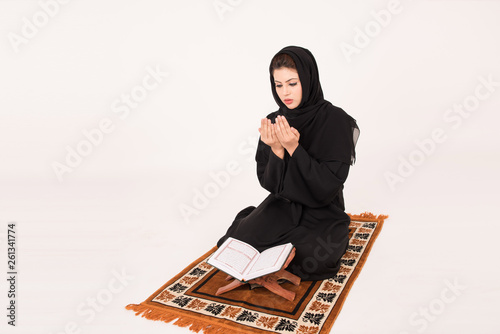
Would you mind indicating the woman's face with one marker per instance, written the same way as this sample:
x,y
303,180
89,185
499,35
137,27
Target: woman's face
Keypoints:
x,y
287,83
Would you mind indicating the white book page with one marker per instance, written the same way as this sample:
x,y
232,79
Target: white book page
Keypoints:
x,y
270,260
234,257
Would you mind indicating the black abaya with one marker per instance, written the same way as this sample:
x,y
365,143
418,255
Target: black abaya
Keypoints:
x,y
305,205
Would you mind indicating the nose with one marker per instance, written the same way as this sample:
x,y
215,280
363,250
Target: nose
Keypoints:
x,y
286,91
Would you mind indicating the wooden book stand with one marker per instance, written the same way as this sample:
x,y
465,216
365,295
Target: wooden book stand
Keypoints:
x,y
269,281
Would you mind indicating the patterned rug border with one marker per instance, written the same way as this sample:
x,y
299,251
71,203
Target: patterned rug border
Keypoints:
x,y
196,323
366,216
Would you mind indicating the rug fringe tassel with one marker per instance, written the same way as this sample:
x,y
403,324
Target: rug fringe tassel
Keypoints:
x,y
193,325
369,215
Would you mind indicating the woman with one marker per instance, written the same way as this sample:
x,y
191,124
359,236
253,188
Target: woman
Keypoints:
x,y
303,158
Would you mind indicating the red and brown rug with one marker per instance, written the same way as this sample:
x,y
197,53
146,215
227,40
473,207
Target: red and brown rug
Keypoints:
x,y
189,298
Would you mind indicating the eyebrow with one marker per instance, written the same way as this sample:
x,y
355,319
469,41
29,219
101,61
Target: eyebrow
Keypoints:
x,y
287,80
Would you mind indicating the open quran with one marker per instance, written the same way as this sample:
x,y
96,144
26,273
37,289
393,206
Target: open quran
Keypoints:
x,y
243,262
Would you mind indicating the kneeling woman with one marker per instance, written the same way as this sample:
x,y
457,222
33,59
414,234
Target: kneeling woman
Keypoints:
x,y
303,158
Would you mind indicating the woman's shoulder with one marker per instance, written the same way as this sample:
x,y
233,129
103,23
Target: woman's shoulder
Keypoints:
x,y
332,110
334,113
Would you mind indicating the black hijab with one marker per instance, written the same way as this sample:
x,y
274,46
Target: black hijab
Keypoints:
x,y
326,132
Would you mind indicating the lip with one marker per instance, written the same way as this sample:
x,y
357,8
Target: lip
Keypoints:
x,y
288,101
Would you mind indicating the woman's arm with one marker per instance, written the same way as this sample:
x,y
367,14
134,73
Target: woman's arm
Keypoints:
x,y
311,182
307,180
270,168
270,157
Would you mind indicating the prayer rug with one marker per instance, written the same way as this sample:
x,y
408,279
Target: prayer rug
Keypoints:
x,y
190,296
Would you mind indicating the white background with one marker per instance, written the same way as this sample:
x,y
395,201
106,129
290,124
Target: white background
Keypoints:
x,y
120,208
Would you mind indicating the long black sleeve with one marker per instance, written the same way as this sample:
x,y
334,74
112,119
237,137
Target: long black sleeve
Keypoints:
x,y
270,168
310,182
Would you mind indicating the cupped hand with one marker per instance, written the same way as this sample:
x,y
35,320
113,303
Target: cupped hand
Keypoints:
x,y
287,136
268,135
